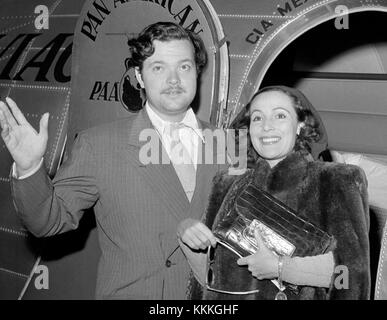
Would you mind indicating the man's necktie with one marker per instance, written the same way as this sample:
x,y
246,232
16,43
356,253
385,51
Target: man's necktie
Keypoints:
x,y
182,161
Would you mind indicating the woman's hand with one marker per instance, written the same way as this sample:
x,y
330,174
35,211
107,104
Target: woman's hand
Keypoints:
x,y
264,263
195,234
26,146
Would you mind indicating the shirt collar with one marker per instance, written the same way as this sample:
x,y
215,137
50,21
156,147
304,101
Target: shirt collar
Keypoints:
x,y
161,125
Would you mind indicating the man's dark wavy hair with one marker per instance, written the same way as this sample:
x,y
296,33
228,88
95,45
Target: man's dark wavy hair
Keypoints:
x,y
141,48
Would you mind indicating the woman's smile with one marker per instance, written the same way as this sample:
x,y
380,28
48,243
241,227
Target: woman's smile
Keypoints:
x,y
269,140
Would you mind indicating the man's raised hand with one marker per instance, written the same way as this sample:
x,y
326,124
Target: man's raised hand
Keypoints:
x,y
26,146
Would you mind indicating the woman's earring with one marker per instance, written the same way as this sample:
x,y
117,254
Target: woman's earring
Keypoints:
x,y
300,126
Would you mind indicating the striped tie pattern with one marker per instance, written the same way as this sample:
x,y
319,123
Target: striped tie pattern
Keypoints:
x,y
182,161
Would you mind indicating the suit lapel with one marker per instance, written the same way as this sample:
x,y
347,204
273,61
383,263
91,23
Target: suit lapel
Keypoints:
x,y
161,178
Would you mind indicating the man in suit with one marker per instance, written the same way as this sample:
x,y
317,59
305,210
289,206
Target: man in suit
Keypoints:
x,y
138,205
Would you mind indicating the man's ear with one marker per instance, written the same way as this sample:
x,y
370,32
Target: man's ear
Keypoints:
x,y
139,77
299,127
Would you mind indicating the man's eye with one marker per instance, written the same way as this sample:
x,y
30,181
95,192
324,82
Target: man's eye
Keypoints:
x,y
157,68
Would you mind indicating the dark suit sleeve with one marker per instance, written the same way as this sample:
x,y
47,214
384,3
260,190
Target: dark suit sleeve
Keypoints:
x,y
50,207
348,220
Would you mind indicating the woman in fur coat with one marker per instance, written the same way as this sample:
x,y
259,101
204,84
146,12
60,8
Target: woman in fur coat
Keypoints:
x,y
286,136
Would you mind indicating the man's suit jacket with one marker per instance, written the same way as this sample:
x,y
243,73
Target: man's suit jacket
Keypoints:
x,y
137,208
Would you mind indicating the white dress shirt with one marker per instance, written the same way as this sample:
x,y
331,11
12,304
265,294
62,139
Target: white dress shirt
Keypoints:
x,y
190,134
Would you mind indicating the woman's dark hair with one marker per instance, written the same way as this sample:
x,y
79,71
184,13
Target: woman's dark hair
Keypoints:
x,y
141,48
310,133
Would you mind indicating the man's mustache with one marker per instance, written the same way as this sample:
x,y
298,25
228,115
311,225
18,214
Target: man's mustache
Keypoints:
x,y
172,89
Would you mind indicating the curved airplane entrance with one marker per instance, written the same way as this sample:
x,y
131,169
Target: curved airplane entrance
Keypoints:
x,y
337,12
266,29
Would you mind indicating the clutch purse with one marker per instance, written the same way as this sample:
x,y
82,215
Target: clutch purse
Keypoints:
x,y
282,230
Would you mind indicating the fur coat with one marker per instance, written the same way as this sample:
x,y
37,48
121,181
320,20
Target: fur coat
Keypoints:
x,y
330,195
